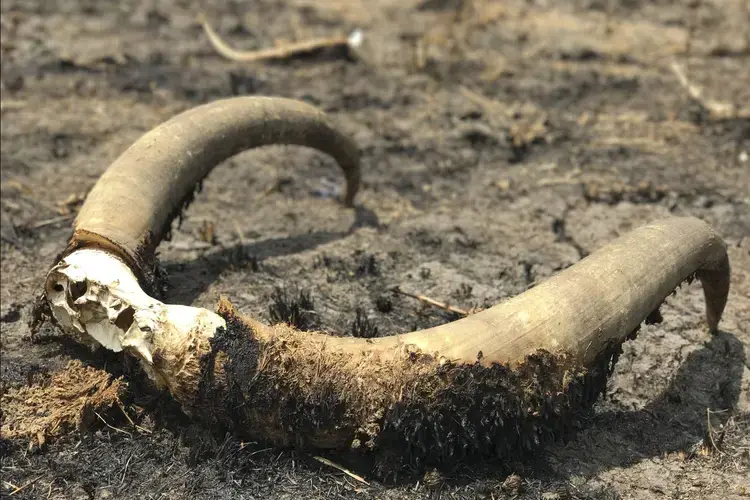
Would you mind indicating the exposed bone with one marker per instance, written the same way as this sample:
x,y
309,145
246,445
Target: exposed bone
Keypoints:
x,y
96,297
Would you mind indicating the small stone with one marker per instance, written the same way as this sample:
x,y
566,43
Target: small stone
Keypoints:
x,y
503,185
512,484
551,495
433,479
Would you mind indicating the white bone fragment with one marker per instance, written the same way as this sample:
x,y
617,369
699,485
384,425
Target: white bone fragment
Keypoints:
x,y
97,298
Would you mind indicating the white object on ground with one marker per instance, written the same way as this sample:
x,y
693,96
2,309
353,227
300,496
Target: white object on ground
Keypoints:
x,y
97,298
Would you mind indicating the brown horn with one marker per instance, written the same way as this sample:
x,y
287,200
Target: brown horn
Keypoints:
x,y
597,301
498,382
131,207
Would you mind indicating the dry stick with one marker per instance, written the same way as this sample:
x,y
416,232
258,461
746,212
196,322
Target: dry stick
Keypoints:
x,y
239,233
21,488
10,105
125,470
111,426
478,98
710,429
433,302
352,41
52,221
126,415
717,109
496,112
342,469
142,429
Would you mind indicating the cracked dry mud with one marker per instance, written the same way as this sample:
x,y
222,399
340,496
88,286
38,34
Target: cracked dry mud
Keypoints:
x,y
514,139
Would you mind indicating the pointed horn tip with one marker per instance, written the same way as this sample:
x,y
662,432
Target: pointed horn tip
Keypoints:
x,y
715,279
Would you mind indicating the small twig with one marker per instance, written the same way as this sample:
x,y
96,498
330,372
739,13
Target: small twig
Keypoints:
x,y
243,445
10,105
436,303
710,432
496,113
126,415
111,427
125,470
20,488
479,99
351,42
258,451
717,109
342,469
142,429
571,178
49,222
189,246
239,233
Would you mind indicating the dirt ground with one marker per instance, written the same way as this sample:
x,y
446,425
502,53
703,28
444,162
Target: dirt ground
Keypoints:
x,y
502,142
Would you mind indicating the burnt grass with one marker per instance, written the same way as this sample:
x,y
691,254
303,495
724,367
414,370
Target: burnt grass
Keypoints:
x,y
501,142
442,414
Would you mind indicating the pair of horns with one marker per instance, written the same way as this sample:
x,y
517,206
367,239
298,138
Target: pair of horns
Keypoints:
x,y
399,392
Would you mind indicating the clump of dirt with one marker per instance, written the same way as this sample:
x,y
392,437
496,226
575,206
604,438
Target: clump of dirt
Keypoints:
x,y
404,406
50,408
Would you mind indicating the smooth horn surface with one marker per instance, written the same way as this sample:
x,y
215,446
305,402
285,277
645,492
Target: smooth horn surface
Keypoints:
x,y
599,300
130,208
499,382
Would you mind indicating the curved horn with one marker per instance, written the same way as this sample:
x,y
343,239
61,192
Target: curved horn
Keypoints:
x,y
131,207
599,300
498,382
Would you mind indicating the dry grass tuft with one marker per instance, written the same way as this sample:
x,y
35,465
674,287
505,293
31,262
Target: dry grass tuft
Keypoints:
x,y
72,399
